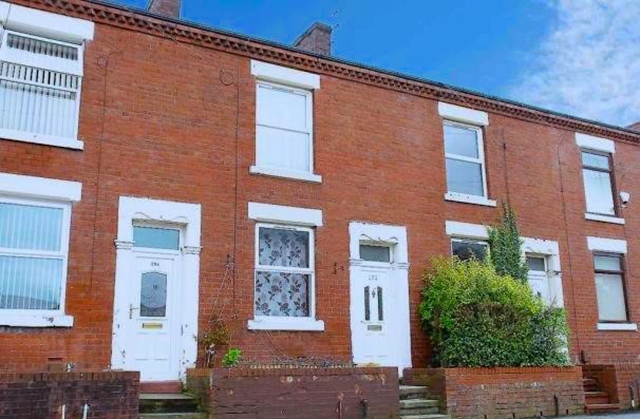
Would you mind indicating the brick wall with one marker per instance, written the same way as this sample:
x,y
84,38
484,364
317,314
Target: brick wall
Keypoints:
x,y
498,393
42,395
621,381
164,119
300,392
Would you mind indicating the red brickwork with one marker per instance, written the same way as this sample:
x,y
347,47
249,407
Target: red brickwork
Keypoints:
x,y
302,392
496,393
621,381
109,395
173,118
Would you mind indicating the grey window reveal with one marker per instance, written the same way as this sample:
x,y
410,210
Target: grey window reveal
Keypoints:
x,y
375,253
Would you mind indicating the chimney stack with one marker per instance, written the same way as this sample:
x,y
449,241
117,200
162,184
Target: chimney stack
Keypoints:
x,y
635,126
168,8
316,39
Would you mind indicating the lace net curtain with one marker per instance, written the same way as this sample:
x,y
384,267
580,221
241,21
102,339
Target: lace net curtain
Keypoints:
x,y
283,293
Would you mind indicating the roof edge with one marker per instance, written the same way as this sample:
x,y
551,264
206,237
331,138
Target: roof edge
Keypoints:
x,y
138,20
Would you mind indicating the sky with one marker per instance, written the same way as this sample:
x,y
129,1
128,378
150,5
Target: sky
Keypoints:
x,y
580,57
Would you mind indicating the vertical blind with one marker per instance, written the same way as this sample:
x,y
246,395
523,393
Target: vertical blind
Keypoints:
x,y
39,86
31,257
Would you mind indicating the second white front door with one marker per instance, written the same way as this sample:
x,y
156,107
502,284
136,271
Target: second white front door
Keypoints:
x,y
379,286
371,327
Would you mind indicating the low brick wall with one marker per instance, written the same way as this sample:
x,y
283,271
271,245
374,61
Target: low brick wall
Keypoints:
x,y
621,381
498,393
303,393
43,395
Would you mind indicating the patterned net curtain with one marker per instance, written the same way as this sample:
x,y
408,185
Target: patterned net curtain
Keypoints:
x,y
283,273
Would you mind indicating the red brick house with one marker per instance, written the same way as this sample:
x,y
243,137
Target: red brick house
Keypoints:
x,y
155,173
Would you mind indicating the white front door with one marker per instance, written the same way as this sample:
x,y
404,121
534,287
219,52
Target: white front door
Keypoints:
x,y
151,325
379,286
372,318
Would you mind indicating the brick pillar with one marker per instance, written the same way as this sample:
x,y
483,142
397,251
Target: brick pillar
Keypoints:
x,y
168,8
316,39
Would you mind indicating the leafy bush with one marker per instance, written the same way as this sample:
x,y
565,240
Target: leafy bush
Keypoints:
x,y
506,247
478,318
232,358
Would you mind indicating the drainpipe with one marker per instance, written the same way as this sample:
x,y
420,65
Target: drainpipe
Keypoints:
x,y
85,411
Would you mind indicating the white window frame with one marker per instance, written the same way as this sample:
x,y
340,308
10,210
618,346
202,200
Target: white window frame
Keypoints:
x,y
590,143
302,219
285,322
462,197
616,247
298,82
53,28
43,192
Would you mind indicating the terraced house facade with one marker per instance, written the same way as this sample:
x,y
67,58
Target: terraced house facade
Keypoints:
x,y
156,175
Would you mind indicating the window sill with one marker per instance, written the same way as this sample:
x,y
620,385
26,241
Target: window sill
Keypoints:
x,y
469,199
25,137
603,218
629,327
290,324
289,174
35,320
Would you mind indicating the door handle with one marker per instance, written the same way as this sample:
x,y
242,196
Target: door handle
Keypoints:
x,y
131,308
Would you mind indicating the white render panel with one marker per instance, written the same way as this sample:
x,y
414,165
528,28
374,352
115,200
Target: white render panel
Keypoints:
x,y
458,113
39,187
289,215
607,245
284,75
466,230
595,143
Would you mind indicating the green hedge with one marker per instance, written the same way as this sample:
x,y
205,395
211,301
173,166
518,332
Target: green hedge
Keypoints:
x,y
478,318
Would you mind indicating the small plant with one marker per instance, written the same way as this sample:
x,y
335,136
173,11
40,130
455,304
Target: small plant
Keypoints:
x,y
232,358
216,336
506,247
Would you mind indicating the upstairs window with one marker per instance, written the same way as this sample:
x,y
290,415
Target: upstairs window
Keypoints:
x,y
598,182
284,122
464,159
40,83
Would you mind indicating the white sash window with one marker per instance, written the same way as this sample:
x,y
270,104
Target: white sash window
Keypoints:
x,y
41,69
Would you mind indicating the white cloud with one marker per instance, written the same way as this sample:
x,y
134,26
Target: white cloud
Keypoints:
x,y
589,64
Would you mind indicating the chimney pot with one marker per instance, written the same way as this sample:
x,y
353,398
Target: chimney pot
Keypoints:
x,y
168,8
316,39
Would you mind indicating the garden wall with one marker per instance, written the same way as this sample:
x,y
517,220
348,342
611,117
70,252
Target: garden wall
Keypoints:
x,y
498,393
298,392
621,381
43,395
